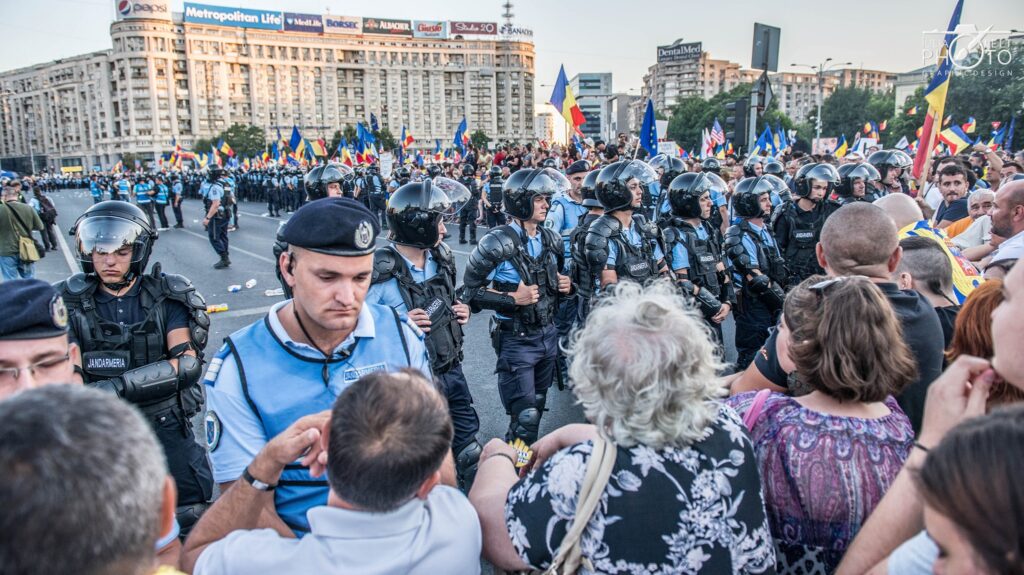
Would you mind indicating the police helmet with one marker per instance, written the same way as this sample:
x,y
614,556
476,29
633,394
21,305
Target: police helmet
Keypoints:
x,y
746,201
882,160
311,183
671,167
109,226
415,209
685,192
401,173
750,165
848,173
775,168
494,172
549,163
467,170
588,191
433,171
522,186
824,172
613,183
711,165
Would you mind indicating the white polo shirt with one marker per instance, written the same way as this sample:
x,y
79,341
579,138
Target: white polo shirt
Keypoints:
x,y
438,535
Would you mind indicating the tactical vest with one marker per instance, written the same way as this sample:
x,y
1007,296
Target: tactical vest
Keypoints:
x,y
494,193
635,263
436,297
582,276
769,261
704,254
110,349
375,188
804,231
280,386
541,271
474,190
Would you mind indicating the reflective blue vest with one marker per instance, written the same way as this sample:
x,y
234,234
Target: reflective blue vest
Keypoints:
x,y
281,386
95,190
161,194
142,193
123,188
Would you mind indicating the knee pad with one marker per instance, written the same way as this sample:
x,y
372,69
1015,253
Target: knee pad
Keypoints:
x,y
526,425
466,462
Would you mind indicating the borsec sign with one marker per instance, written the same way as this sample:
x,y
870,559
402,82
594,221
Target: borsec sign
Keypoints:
x,y
142,9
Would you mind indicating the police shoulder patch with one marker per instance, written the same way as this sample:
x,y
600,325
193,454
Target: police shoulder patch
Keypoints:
x,y
213,430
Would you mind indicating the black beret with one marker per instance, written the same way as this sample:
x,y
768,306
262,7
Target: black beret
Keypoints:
x,y
577,167
333,226
31,309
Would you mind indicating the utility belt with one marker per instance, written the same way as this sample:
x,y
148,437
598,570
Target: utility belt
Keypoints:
x,y
515,327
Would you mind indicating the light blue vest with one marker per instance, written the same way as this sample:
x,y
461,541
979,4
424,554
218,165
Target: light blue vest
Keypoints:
x,y
161,194
281,386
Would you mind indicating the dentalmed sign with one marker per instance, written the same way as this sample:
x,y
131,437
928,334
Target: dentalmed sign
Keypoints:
x,y
238,17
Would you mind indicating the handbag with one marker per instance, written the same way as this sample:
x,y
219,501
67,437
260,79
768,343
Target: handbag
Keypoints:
x,y
750,418
569,557
30,250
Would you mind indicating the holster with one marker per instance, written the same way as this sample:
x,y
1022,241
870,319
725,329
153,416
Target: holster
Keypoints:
x,y
494,328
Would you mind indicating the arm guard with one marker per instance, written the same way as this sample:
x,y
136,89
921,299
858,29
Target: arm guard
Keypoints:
x,y
154,382
708,303
736,253
770,294
180,289
493,249
728,294
595,245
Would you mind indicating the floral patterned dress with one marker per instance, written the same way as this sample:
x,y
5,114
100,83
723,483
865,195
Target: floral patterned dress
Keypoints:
x,y
822,475
696,509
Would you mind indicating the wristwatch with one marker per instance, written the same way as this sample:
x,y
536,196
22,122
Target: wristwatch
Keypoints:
x,y
256,483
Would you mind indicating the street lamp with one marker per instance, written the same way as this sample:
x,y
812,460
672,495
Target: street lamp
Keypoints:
x,y
820,70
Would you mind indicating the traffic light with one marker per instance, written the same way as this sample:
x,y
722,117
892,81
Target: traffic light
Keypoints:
x,y
736,122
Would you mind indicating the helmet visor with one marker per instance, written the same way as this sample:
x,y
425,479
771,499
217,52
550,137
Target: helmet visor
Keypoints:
x,y
717,183
549,182
106,235
457,192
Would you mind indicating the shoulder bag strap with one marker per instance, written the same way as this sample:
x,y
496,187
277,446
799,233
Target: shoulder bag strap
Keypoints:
x,y
599,470
21,222
750,418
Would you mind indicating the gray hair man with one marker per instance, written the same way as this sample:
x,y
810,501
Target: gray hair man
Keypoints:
x,y
84,490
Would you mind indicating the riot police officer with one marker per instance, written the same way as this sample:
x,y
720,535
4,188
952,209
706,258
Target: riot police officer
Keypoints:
x,y
711,164
376,193
775,168
758,267
468,212
515,271
753,166
142,337
668,168
218,202
492,197
855,181
416,275
892,166
273,187
622,244
797,224
693,247
584,278
297,359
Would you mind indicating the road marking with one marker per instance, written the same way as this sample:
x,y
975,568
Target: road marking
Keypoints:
x,y
73,264
242,312
233,249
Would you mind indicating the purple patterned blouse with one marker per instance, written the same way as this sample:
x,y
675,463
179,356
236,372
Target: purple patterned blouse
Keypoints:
x,y
822,475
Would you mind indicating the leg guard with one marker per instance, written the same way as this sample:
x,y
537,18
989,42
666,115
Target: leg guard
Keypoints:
x,y
466,462
525,425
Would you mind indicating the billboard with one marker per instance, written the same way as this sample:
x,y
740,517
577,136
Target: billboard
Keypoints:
x,y
343,24
679,52
429,29
483,28
387,26
239,17
126,9
303,23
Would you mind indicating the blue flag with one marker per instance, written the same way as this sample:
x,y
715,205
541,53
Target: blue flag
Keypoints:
x,y
649,130
296,139
373,122
459,135
1008,145
783,143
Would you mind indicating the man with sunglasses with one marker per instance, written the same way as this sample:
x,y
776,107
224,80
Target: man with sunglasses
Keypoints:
x,y
142,338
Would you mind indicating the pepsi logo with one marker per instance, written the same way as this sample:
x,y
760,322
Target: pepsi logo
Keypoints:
x,y
124,7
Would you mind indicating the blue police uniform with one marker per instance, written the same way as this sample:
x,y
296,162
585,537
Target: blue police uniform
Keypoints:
x,y
563,217
635,239
96,191
217,230
460,401
261,381
123,189
681,256
176,191
145,201
753,317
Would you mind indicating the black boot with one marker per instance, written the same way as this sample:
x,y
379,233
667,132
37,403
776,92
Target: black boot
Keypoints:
x,y
223,263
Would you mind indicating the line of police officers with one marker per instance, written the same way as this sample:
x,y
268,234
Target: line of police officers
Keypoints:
x,y
354,308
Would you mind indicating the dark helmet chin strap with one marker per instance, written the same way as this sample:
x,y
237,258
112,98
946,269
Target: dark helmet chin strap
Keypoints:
x,y
118,286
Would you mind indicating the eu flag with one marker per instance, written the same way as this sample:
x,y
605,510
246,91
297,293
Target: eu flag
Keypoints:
x,y
649,130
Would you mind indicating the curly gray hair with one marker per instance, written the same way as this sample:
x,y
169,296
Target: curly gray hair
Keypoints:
x,y
645,367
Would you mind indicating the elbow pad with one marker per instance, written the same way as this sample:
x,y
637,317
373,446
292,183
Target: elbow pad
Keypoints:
x,y
485,299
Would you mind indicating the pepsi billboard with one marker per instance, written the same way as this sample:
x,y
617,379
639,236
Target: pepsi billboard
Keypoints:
x,y
128,9
311,23
237,17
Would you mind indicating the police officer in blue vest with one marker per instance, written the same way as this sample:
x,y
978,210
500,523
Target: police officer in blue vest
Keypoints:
x,y
95,189
124,188
797,223
218,204
668,168
160,199
144,192
416,275
758,268
516,271
142,338
177,194
297,359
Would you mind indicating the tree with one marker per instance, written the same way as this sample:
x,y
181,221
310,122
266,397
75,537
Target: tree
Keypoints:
x,y
128,160
691,115
334,143
202,146
386,139
350,133
245,141
480,139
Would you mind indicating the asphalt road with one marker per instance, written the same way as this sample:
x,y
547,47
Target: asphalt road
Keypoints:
x,y
187,252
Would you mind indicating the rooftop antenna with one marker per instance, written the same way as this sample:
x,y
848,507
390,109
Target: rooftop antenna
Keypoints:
x,y
508,15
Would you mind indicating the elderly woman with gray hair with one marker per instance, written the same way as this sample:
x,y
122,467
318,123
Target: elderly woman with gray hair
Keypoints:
x,y
682,492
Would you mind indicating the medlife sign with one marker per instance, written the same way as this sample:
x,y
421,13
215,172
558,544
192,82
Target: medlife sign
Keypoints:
x,y
237,17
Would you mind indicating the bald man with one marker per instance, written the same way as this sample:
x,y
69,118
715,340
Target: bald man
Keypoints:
x,y
1007,222
861,239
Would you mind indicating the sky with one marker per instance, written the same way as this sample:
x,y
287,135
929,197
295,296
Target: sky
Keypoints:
x,y
584,35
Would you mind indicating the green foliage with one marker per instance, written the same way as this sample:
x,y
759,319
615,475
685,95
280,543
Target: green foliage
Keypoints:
x,y
128,159
350,133
847,109
480,139
246,141
691,115
385,139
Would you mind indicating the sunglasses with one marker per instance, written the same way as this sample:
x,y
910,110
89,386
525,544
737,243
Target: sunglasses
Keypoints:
x,y
821,288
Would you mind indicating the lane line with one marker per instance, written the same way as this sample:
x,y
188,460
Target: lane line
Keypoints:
x,y
231,248
73,264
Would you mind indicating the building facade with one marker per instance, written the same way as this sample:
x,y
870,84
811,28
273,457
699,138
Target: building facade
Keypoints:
x,y
592,92
191,75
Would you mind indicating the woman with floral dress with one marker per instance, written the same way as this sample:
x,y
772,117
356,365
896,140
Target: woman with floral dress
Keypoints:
x,y
683,496
828,457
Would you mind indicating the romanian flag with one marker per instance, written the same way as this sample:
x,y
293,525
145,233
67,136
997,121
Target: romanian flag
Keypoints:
x,y
935,94
318,147
912,111
407,138
346,156
563,101
965,275
841,147
867,127
225,148
955,138
883,125
970,125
